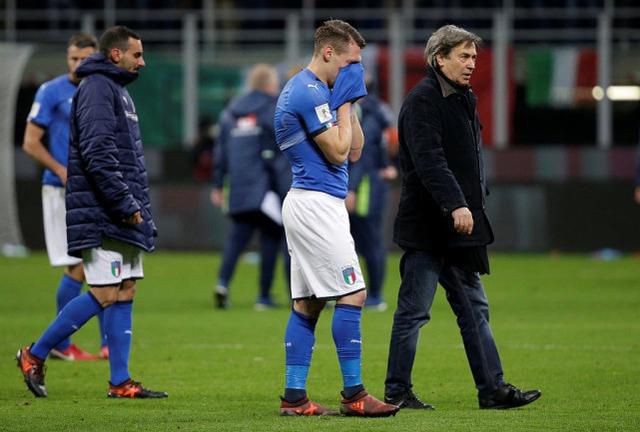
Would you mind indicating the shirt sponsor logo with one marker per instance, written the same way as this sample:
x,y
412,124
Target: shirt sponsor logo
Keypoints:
x,y
324,113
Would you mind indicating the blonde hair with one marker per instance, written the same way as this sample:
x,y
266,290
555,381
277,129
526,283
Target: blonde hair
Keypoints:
x,y
262,76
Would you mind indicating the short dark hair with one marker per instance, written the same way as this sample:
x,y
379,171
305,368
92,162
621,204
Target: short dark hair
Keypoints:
x,y
83,40
116,37
338,34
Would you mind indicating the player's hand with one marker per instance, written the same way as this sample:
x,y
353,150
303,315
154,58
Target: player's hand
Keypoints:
x,y
62,175
217,197
350,202
462,220
134,219
636,195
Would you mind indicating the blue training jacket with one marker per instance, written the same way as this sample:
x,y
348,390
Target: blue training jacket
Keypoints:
x,y
247,159
107,179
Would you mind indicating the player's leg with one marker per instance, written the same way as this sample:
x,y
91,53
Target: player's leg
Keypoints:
x,y
347,337
118,324
270,243
70,319
70,285
236,242
375,258
299,342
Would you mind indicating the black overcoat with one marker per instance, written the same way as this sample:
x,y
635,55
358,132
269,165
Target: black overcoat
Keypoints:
x,y
441,165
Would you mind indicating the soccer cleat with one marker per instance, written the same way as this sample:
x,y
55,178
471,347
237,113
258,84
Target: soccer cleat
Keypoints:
x,y
32,370
72,353
304,407
104,353
221,297
133,390
365,405
408,400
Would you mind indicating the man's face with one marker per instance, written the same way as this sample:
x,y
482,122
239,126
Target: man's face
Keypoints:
x,y
75,56
131,59
351,55
459,64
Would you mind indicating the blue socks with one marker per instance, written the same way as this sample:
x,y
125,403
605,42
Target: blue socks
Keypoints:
x,y
103,329
118,322
69,320
68,289
346,336
299,339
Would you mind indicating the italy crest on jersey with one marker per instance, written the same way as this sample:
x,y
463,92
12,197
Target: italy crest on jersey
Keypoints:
x,y
349,275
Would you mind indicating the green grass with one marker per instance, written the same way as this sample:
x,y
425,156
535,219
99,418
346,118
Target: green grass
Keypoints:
x,y
566,324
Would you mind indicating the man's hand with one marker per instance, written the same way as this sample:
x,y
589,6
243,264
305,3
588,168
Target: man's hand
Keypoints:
x,y
636,195
462,220
62,174
350,202
217,197
134,219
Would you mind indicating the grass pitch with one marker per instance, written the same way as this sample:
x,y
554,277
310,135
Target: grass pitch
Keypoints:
x,y
568,325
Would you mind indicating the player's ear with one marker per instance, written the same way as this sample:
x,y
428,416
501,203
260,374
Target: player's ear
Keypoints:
x,y
115,55
327,52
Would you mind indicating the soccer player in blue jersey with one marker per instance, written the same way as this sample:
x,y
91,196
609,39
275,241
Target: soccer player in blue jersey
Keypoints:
x,y
49,117
318,132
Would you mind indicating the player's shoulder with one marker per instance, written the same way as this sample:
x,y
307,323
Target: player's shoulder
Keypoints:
x,y
54,86
306,91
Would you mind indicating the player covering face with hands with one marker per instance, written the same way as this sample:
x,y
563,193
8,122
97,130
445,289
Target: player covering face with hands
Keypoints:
x,y
318,131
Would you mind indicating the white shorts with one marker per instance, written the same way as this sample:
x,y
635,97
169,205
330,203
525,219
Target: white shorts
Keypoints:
x,y
112,263
324,263
55,226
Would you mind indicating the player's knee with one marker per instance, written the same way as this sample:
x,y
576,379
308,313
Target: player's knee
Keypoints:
x,y
76,272
128,291
106,296
356,299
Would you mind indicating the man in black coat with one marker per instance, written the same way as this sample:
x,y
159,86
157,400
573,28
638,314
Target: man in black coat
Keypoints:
x,y
441,223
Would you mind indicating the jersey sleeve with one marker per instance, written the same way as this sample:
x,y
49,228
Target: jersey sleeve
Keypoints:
x,y
43,106
313,109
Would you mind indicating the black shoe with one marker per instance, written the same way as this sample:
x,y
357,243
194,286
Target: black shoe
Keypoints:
x,y
509,396
409,400
221,296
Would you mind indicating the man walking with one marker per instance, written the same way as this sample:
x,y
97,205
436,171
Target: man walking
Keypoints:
x,y
441,223
109,220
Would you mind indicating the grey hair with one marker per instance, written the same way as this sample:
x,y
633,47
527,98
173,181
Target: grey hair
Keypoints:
x,y
446,38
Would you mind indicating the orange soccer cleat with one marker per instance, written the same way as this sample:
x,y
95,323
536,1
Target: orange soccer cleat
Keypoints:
x,y
365,405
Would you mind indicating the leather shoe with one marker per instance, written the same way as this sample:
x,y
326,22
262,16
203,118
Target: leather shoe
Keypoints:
x,y
509,396
408,399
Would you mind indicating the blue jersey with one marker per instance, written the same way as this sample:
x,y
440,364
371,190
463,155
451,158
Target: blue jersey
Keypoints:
x,y
302,113
50,110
